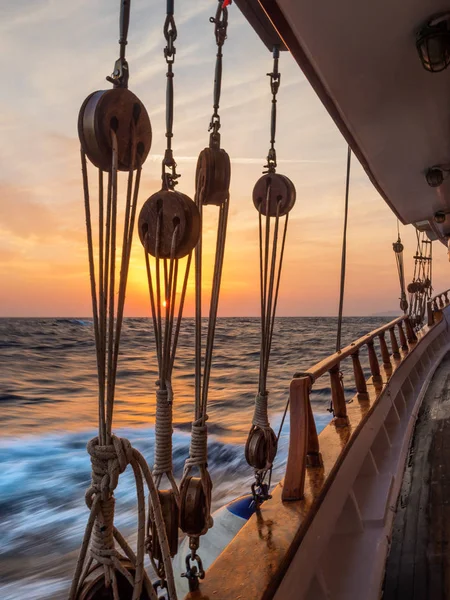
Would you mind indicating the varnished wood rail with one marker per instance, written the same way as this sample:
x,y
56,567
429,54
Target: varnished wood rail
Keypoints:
x,y
304,449
436,305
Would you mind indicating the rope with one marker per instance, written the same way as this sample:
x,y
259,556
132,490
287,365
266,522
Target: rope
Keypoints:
x,y
98,546
261,449
198,449
398,250
344,253
103,546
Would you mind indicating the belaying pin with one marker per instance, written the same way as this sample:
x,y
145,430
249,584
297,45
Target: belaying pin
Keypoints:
x,y
162,214
115,109
274,192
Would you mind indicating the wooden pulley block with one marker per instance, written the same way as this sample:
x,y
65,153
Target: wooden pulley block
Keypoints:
x,y
95,588
427,283
260,448
171,516
404,305
413,287
114,109
174,209
194,507
281,192
214,174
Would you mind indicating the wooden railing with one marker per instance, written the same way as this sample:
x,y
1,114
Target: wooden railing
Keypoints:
x,y
436,304
304,447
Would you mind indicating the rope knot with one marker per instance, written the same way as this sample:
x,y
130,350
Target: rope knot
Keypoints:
x,y
108,462
198,450
260,416
163,432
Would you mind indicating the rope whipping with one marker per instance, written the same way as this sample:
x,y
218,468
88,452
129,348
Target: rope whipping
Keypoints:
x,y
115,135
212,188
169,229
398,250
273,197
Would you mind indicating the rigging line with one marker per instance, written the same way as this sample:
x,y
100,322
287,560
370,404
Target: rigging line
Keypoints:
x,y
172,294
90,244
130,213
109,396
158,297
283,243
198,306
344,253
180,312
270,317
151,294
280,429
101,300
217,277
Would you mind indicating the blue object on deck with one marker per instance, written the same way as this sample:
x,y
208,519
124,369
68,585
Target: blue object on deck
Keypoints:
x,y
243,507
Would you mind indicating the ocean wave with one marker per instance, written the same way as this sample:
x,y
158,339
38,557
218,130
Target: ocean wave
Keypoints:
x,y
44,480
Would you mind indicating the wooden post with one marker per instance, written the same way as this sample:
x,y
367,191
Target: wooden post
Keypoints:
x,y
338,397
401,333
294,480
313,456
394,344
360,380
410,334
430,317
440,301
384,351
373,361
446,298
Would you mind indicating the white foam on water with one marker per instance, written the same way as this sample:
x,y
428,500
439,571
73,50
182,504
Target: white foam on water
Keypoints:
x,y
32,589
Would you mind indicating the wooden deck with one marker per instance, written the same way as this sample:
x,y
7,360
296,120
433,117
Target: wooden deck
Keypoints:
x,y
418,565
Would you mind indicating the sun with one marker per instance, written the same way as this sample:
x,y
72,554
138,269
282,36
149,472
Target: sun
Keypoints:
x,y
164,303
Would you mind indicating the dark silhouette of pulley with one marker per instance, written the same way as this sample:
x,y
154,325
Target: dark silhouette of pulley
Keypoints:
x,y
260,448
114,109
95,588
273,190
171,517
213,175
194,513
415,286
173,210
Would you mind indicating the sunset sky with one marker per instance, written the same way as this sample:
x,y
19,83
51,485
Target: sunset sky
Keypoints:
x,y
55,53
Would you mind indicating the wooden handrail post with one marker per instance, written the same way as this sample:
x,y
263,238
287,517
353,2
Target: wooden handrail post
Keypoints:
x,y
401,333
360,380
446,298
373,361
410,334
384,351
313,455
294,480
394,343
338,397
440,301
430,317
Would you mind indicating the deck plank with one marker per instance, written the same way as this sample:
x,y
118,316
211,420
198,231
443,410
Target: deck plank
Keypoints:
x,y
417,567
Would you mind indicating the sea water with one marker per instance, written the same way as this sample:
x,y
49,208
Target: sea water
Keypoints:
x,y
48,411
